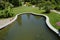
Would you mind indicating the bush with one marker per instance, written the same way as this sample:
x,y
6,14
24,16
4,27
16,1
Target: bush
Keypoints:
x,y
2,5
6,13
33,2
28,4
1,14
14,2
57,8
20,3
45,6
47,11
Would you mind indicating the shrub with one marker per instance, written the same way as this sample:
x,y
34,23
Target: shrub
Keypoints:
x,y
57,8
20,3
2,5
14,2
41,6
28,4
6,13
46,6
33,2
47,11
1,14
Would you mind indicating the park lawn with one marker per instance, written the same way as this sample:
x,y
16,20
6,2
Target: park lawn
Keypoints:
x,y
54,17
26,9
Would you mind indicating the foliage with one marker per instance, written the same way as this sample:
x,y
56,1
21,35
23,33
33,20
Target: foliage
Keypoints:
x,y
41,3
13,2
28,4
57,8
6,13
33,2
45,6
2,5
20,3
48,6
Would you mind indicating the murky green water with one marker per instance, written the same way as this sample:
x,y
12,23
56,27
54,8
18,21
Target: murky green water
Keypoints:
x,y
28,27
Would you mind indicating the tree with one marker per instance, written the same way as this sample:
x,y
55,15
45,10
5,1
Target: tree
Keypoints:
x,y
14,2
2,5
48,7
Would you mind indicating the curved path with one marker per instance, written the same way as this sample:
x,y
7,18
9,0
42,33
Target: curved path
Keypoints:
x,y
55,11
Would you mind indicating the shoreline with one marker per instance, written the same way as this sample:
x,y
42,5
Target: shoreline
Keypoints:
x,y
47,22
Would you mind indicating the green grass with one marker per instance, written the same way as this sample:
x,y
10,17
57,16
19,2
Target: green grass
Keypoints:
x,y
54,18
26,9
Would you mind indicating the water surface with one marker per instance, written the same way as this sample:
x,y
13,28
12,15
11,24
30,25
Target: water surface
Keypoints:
x,y
28,27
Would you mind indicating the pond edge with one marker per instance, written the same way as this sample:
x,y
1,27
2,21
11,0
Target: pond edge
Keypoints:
x,y
47,22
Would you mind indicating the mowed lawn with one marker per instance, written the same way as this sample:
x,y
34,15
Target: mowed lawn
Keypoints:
x,y
26,9
54,17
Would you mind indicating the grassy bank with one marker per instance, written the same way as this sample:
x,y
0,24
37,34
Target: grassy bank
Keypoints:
x,y
54,18
26,9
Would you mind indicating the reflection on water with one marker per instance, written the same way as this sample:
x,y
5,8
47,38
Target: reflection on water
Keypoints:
x,y
19,20
28,27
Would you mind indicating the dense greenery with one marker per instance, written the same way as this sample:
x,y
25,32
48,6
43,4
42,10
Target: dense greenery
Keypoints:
x,y
14,2
6,7
39,3
42,4
46,4
7,12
